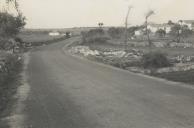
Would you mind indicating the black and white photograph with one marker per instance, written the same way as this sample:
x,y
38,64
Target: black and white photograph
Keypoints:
x,y
96,63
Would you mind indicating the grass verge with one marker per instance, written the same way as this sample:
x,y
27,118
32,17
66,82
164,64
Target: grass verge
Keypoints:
x,y
181,76
9,82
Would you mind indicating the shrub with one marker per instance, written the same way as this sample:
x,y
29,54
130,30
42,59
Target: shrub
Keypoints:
x,y
9,74
160,33
101,39
4,43
10,25
94,36
154,60
116,32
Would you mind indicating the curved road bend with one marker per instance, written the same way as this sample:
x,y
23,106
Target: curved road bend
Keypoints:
x,y
68,92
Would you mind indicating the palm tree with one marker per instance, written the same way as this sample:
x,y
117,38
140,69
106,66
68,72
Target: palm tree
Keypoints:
x,y
180,30
150,13
126,26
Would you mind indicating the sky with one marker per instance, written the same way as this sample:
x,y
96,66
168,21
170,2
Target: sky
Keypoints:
x,y
87,13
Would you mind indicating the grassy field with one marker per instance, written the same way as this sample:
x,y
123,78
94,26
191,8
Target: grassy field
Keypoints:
x,y
183,76
42,35
36,37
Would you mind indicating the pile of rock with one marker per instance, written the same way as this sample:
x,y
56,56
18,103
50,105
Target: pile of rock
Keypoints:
x,y
134,53
177,67
182,59
118,54
84,50
181,45
162,44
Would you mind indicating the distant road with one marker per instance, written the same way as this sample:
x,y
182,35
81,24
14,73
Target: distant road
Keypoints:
x,y
69,92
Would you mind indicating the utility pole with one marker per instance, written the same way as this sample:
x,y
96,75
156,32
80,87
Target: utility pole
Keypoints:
x,y
126,27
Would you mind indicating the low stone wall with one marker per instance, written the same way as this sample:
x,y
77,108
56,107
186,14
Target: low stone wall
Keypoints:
x,y
177,67
86,51
162,44
122,58
83,50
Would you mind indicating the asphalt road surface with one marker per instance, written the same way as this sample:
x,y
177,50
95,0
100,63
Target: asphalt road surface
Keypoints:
x,y
70,92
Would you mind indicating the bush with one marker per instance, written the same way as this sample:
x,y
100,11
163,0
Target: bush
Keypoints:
x,y
160,33
154,60
94,36
116,32
9,74
11,66
10,25
101,39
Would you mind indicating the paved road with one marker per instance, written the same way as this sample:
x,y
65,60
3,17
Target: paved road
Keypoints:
x,y
69,92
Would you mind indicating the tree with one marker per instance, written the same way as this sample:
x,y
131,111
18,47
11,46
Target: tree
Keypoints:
x,y
170,22
149,13
175,31
94,36
126,26
186,31
180,31
161,33
10,26
116,32
100,24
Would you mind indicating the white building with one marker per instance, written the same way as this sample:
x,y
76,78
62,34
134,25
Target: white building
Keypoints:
x,y
138,33
168,29
54,33
154,27
189,23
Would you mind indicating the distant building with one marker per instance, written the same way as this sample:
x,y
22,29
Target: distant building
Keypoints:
x,y
54,33
154,27
138,33
189,23
168,28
